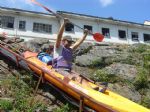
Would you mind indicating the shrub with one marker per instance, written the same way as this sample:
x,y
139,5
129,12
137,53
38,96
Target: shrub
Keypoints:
x,y
64,108
146,101
102,62
103,76
6,105
146,61
141,80
139,48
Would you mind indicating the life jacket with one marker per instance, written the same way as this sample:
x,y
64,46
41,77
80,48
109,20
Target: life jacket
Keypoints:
x,y
64,60
46,58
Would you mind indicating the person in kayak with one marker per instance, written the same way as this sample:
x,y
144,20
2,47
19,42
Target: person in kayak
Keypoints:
x,y
63,51
63,48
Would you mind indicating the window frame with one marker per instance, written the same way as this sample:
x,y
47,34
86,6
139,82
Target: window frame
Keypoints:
x,y
7,22
24,25
108,33
135,34
119,35
42,28
144,37
88,27
71,31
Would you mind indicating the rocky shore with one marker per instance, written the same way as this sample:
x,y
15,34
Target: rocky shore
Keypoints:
x,y
126,68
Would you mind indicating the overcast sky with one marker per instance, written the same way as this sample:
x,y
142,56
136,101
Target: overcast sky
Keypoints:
x,y
127,10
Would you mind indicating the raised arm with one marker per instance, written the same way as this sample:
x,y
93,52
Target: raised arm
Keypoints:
x,y
80,41
60,33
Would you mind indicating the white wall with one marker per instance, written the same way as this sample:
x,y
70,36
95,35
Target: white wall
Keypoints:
x,y
97,27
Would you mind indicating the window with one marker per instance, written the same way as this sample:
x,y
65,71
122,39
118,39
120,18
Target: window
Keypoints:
x,y
42,28
122,34
146,37
6,22
22,25
105,32
135,36
69,27
88,27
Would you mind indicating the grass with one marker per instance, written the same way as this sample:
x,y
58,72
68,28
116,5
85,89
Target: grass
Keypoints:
x,y
102,76
101,62
64,108
141,80
146,101
6,105
22,95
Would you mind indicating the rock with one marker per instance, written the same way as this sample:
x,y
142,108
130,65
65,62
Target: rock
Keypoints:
x,y
51,108
85,71
126,91
82,49
50,96
98,55
125,71
36,45
85,60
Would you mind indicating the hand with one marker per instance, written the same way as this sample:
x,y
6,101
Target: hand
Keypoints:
x,y
66,20
86,31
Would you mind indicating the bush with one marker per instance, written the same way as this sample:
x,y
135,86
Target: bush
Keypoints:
x,y
23,98
146,61
6,105
102,62
141,80
103,76
22,95
64,108
139,48
146,101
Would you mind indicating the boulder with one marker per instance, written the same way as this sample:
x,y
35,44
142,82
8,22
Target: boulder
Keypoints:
x,y
98,56
36,45
125,71
82,49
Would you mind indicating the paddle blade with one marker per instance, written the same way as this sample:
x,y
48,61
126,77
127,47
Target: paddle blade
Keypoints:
x,y
98,37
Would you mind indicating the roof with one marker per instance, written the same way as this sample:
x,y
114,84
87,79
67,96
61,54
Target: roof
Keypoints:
x,y
21,10
97,17
77,14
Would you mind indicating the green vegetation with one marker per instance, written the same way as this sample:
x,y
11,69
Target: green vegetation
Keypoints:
x,y
101,62
146,101
141,80
137,55
22,95
103,76
140,48
87,49
64,108
6,105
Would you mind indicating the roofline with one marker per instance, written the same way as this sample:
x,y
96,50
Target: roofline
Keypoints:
x,y
21,10
66,12
97,17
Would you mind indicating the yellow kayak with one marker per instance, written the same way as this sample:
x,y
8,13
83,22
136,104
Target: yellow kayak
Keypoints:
x,y
101,102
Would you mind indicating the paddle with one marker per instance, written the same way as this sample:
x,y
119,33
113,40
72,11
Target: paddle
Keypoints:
x,y
97,36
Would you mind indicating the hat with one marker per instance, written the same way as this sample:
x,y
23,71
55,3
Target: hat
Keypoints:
x,y
67,37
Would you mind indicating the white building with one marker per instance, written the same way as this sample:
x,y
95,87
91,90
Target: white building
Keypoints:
x,y
29,25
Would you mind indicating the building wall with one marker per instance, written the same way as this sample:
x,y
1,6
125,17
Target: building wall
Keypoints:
x,y
81,21
29,33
